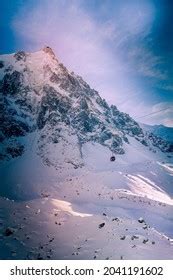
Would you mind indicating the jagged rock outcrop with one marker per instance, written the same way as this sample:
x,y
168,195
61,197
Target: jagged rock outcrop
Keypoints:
x,y
37,93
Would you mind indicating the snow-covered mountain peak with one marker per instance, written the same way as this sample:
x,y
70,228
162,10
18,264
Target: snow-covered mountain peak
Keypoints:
x,y
49,51
39,94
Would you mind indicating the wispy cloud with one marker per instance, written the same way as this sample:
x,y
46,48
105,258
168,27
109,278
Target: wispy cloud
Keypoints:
x,y
72,33
106,45
162,111
79,41
147,63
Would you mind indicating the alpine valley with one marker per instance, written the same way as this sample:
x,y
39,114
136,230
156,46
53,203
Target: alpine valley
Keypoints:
x,y
61,197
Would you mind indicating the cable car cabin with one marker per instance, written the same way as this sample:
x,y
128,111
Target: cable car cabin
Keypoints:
x,y
112,158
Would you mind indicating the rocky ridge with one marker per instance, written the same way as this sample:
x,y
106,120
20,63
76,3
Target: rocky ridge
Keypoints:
x,y
39,95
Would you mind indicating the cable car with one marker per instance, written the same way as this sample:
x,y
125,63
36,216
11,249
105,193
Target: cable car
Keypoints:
x,y
112,158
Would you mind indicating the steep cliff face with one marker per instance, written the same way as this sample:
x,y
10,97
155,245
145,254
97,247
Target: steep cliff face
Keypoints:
x,y
160,135
38,94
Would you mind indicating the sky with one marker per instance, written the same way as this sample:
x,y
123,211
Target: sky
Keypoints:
x,y
122,48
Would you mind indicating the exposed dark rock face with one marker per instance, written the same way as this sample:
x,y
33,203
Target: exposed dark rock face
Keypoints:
x,y
117,145
160,143
102,102
48,50
8,231
21,55
1,64
55,78
60,99
53,106
15,151
11,83
15,129
125,123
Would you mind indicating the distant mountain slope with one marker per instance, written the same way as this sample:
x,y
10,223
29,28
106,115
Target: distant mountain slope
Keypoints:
x,y
162,131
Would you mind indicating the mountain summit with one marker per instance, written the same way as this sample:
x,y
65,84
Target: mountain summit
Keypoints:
x,y
39,94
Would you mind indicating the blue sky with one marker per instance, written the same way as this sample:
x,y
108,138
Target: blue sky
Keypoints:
x,y
122,48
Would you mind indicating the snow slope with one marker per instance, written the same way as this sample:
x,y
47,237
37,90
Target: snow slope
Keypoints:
x,y
62,220
61,196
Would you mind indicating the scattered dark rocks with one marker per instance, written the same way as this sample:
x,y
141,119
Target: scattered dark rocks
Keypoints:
x,y
51,240
122,237
145,241
39,257
45,195
145,227
141,220
76,253
101,225
115,219
9,231
134,237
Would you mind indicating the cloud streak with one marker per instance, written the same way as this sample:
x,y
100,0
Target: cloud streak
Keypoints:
x,y
106,45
